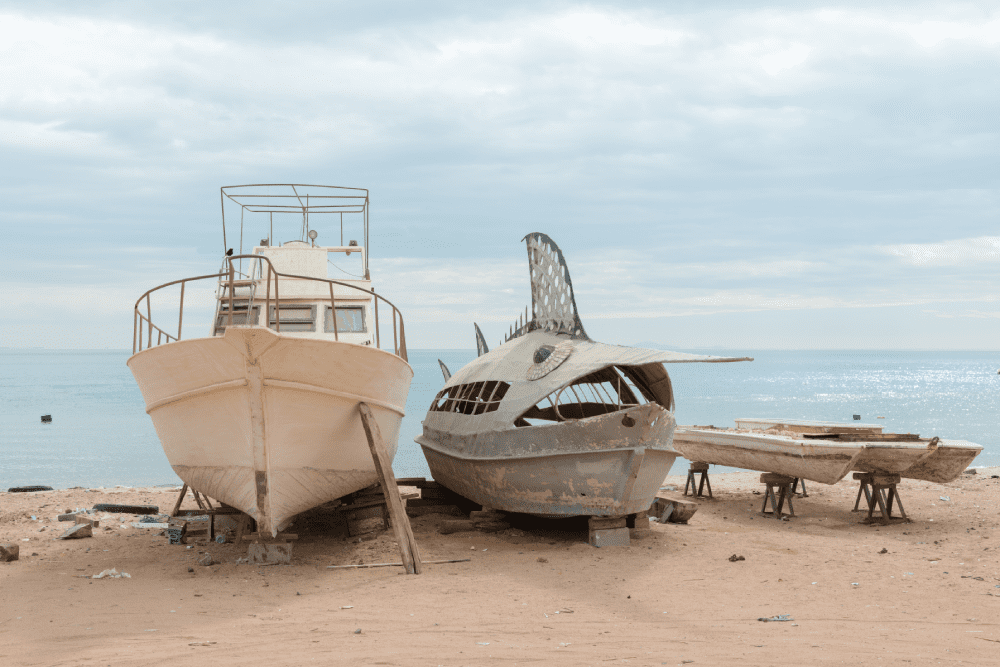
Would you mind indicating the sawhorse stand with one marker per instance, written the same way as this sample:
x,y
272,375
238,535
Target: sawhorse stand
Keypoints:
x,y
879,490
795,485
691,482
779,489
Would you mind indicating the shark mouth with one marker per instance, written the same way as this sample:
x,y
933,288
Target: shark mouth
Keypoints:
x,y
599,393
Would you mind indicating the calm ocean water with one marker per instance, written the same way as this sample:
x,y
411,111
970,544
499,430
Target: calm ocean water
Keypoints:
x,y
101,436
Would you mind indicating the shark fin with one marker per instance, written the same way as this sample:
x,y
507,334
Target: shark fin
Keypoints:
x,y
481,347
553,305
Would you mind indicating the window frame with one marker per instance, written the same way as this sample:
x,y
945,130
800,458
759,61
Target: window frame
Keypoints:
x,y
328,310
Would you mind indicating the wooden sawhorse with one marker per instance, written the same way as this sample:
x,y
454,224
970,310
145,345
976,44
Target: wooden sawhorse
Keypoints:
x,y
702,468
880,490
779,489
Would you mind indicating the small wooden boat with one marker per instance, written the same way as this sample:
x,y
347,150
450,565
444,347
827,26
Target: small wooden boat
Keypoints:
x,y
262,413
550,422
824,451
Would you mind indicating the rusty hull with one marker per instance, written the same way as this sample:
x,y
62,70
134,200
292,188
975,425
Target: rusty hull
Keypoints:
x,y
599,466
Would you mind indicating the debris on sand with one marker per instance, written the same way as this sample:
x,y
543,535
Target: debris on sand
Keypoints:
x,y
113,573
776,619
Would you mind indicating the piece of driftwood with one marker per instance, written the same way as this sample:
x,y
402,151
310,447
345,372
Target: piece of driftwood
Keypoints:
x,y
426,562
672,510
397,513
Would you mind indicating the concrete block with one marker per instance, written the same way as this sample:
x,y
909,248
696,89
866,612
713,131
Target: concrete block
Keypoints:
x,y
261,554
610,537
86,518
9,552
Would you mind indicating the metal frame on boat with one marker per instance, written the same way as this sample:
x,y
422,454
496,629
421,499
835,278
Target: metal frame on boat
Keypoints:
x,y
550,422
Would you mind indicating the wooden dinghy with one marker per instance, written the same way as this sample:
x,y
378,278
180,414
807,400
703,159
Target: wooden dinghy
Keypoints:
x,y
262,414
550,422
824,451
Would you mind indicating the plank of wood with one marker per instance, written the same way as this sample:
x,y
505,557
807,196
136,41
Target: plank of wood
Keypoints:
x,y
180,499
426,562
400,522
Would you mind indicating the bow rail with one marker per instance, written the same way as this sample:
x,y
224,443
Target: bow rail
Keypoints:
x,y
143,327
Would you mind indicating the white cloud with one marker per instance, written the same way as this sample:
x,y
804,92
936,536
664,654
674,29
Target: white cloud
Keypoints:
x,y
776,62
958,252
932,33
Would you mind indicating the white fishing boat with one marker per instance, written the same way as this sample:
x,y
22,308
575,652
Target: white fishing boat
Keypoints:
x,y
551,422
824,451
261,412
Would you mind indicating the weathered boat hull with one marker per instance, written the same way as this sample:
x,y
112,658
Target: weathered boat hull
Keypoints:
x,y
940,464
268,423
826,461
598,466
815,460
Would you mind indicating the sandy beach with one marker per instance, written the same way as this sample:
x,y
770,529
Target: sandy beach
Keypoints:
x,y
924,592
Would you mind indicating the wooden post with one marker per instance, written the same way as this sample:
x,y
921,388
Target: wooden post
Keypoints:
x,y
180,499
400,522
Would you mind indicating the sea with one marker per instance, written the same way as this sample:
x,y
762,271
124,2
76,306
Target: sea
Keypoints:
x,y
100,435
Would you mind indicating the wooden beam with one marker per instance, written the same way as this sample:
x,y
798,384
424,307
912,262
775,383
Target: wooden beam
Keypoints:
x,y
180,499
397,513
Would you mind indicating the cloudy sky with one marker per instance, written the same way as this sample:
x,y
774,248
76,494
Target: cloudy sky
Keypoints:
x,y
731,174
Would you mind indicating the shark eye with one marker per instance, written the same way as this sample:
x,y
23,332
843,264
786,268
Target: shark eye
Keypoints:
x,y
543,353
548,358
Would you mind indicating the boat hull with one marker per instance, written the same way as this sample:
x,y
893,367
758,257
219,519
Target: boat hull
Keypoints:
x,y
268,423
826,461
590,467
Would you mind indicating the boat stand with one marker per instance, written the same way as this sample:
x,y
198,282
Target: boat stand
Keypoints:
x,y
202,500
697,467
880,490
779,489
799,481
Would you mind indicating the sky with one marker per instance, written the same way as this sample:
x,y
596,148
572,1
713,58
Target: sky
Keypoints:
x,y
726,175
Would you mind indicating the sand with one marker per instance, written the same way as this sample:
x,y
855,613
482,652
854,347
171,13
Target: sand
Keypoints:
x,y
535,595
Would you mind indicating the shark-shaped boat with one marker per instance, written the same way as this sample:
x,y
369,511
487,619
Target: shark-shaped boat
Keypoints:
x,y
551,422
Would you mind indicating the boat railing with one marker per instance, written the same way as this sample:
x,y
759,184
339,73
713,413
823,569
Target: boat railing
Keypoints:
x,y
143,326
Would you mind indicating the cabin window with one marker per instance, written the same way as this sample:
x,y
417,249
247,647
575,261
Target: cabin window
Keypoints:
x,y
350,319
239,316
471,399
599,393
294,317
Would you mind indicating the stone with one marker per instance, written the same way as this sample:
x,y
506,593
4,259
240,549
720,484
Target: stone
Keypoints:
x,y
68,516
9,552
260,553
86,518
78,531
206,560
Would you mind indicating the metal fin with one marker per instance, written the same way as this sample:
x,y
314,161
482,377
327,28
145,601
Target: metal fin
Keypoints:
x,y
444,371
481,347
553,305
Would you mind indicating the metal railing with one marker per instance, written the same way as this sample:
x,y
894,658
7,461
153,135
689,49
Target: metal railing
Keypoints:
x,y
143,326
